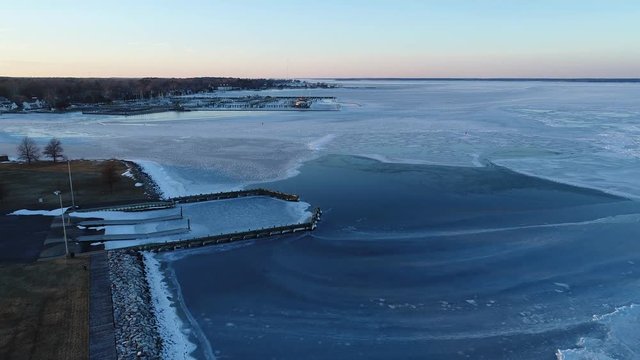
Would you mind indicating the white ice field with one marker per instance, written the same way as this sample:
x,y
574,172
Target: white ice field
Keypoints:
x,y
578,133
586,134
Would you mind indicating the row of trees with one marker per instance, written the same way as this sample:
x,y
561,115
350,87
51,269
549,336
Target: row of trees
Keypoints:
x,y
62,92
29,151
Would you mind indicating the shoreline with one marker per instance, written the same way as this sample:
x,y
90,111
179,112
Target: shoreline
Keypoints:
x,y
172,310
147,323
151,319
146,320
136,325
172,330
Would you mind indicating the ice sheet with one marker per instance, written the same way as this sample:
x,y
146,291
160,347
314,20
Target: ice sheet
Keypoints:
x,y
582,133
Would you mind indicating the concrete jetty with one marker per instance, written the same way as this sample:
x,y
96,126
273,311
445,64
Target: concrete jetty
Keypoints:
x,y
136,236
100,223
145,206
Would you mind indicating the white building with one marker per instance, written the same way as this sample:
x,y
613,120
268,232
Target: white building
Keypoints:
x,y
34,104
7,105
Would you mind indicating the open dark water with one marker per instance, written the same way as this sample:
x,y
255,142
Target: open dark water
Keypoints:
x,y
426,262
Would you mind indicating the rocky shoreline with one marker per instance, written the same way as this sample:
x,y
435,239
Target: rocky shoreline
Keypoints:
x,y
136,326
151,188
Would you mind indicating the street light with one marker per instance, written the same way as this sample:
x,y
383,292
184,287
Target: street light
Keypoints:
x,y
73,201
64,228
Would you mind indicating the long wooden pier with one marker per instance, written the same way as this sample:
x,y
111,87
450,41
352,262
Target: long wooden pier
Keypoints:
x,y
233,237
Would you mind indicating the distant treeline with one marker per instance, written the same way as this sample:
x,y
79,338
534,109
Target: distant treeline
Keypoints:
x,y
62,92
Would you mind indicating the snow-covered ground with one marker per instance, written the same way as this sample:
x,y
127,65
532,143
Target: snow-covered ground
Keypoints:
x,y
54,212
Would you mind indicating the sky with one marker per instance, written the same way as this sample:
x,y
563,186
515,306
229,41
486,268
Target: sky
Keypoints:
x,y
320,38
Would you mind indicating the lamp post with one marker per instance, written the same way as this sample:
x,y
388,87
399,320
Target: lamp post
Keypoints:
x,y
73,200
64,228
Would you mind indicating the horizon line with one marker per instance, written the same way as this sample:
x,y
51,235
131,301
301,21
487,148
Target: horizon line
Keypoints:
x,y
584,79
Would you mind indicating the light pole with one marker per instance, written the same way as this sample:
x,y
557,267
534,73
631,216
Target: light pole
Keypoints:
x,y
64,228
73,200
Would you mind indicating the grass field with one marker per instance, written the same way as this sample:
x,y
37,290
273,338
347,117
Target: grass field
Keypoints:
x,y
44,305
22,185
44,310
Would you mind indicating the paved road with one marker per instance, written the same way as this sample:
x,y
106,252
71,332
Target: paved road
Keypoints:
x,y
22,237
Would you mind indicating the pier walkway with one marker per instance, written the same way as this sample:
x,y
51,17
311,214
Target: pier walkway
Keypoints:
x,y
102,340
138,236
99,223
145,206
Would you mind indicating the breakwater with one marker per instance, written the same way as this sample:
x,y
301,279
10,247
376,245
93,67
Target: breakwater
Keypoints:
x,y
233,237
137,333
171,202
145,206
234,195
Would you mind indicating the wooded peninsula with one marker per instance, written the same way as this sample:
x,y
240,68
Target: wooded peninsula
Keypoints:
x,y
60,93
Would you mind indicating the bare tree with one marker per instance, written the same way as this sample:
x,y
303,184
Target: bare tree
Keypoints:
x,y
110,174
54,149
28,150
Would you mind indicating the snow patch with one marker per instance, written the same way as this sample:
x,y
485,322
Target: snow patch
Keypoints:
x,y
175,337
169,187
319,144
128,174
54,212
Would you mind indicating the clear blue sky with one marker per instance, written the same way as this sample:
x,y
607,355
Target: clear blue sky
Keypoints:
x,y
323,38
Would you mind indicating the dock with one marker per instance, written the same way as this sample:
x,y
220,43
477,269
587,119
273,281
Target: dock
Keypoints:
x,y
100,223
233,237
136,236
195,242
